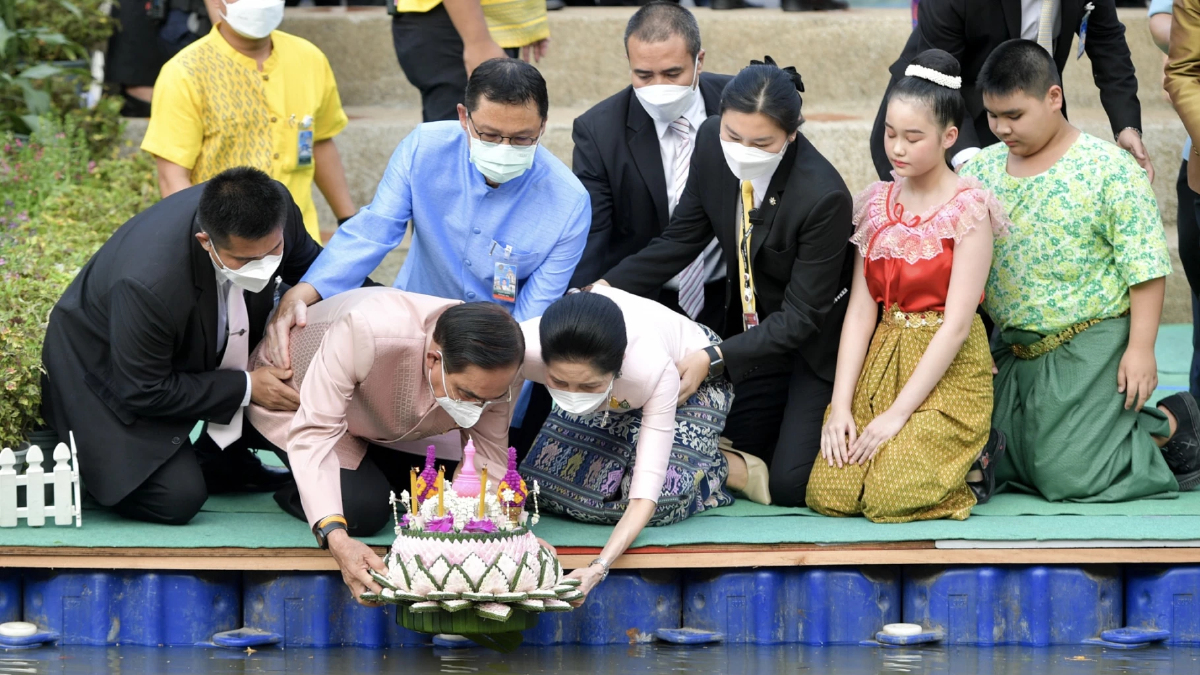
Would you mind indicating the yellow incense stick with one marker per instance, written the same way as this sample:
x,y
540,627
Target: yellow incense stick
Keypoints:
x,y
483,494
441,479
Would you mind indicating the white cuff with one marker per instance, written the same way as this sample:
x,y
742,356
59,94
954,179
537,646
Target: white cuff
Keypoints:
x,y
246,398
962,157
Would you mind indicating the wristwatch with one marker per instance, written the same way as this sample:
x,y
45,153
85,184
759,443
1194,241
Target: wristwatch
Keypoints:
x,y
326,526
716,363
602,563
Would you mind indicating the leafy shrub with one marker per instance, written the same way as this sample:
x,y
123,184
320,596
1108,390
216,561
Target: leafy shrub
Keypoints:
x,y
39,40
58,206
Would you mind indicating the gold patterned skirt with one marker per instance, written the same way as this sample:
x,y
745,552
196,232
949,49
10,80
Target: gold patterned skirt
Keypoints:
x,y
920,474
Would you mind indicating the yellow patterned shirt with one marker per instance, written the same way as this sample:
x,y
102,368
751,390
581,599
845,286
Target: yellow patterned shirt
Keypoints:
x,y
1082,233
512,23
214,110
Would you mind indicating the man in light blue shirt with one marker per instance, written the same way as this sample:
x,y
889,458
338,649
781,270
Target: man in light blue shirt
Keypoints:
x,y
495,215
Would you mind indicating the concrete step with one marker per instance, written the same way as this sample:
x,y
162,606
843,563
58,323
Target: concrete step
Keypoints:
x,y
843,56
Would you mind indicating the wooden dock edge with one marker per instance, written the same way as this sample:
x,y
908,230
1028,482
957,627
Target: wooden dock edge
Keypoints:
x,y
675,557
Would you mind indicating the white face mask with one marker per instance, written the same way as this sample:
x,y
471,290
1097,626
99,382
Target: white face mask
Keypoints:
x,y
578,402
501,162
749,163
254,19
253,276
464,413
667,102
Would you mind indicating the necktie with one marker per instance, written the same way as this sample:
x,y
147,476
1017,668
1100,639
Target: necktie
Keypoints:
x,y
237,356
745,273
691,279
1045,34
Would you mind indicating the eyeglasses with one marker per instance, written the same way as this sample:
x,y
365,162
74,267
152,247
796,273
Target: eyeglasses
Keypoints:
x,y
483,405
519,141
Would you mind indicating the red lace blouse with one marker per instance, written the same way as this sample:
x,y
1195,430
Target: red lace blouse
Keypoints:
x,y
907,258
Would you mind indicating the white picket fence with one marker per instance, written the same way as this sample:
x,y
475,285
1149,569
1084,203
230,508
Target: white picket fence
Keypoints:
x,y
65,479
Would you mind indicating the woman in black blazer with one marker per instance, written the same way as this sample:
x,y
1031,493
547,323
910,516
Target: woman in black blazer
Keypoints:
x,y
788,280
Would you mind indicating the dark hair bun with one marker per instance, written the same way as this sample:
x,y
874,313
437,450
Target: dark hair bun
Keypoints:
x,y
942,62
790,70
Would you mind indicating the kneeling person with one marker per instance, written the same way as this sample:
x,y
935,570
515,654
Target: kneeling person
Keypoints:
x,y
1077,291
640,402
153,335
375,368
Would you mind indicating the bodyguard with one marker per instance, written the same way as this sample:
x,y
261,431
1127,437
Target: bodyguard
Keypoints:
x,y
154,334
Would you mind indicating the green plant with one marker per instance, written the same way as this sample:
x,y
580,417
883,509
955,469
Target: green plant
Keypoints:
x,y
58,206
44,46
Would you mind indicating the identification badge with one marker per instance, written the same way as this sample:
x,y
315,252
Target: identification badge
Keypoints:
x,y
1083,26
750,319
304,142
504,285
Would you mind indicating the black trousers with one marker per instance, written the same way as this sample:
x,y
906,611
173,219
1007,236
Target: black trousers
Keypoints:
x,y
778,417
430,53
174,493
1189,255
365,489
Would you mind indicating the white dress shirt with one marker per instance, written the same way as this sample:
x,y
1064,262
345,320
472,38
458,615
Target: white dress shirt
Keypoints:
x,y
668,145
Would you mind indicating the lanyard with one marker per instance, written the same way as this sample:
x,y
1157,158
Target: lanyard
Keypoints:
x,y
745,271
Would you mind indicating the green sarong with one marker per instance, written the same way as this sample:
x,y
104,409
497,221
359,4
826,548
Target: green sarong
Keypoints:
x,y
1070,437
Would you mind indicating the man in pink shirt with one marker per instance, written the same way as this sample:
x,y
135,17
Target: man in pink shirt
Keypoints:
x,y
377,368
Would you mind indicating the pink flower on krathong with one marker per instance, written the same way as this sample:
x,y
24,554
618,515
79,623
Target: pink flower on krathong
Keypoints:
x,y
91,167
480,526
11,386
445,524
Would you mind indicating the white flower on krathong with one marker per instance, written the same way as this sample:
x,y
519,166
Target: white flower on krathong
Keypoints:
x,y
508,496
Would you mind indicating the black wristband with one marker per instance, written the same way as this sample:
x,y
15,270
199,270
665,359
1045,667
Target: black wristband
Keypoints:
x,y
342,221
716,363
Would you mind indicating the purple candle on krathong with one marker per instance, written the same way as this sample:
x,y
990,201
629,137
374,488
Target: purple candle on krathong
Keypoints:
x,y
427,482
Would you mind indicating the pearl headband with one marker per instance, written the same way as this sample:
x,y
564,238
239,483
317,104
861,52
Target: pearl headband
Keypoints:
x,y
947,81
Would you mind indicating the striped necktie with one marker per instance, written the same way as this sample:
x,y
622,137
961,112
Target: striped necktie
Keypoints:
x,y
691,279
1045,34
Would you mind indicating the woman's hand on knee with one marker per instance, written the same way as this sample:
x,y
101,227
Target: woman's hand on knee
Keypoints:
x,y
355,559
881,430
834,444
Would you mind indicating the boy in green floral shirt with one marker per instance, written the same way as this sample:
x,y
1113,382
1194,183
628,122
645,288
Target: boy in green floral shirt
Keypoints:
x,y
1077,290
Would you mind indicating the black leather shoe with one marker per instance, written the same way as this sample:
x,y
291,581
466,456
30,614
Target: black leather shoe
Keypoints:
x,y
1182,452
554,5
986,465
239,470
734,4
814,5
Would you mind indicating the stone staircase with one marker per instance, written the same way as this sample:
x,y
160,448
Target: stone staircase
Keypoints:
x,y
843,57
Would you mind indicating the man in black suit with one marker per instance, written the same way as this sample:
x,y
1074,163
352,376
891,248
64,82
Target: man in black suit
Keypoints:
x,y
631,155
971,29
154,334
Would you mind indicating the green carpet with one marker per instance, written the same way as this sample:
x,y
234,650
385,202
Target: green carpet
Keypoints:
x,y
254,521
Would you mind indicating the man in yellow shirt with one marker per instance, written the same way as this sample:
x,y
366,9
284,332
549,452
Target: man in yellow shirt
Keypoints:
x,y
249,95
440,42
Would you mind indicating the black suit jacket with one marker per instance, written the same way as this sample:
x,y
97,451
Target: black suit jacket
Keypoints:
x,y
970,29
800,252
131,348
617,158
